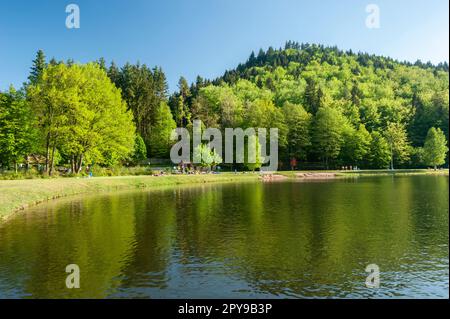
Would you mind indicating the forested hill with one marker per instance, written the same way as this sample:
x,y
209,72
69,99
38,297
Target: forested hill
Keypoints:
x,y
305,53
331,106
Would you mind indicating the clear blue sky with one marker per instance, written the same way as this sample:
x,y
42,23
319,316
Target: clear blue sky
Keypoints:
x,y
206,37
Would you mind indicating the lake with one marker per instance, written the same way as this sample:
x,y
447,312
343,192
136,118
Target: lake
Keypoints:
x,y
288,239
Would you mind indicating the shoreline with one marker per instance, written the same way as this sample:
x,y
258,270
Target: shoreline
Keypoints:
x,y
17,195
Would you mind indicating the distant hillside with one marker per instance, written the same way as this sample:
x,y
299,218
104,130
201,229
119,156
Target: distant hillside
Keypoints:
x,y
298,88
306,53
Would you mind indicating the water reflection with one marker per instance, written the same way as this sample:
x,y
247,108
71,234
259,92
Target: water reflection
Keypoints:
x,y
259,240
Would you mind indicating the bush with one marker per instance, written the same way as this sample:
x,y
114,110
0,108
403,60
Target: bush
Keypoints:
x,y
32,173
120,171
97,171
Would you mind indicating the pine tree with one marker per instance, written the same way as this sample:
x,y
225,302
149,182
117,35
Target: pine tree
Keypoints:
x,y
311,96
183,86
161,131
38,67
252,59
102,63
140,150
114,74
53,62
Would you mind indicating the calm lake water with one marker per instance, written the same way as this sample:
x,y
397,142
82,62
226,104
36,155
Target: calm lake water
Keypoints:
x,y
252,240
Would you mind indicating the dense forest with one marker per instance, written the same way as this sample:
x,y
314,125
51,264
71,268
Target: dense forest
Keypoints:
x,y
332,109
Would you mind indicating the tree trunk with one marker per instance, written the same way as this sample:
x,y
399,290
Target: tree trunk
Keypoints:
x,y
80,164
75,164
392,158
48,153
52,163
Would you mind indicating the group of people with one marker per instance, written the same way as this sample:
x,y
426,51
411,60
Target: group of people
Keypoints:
x,y
350,168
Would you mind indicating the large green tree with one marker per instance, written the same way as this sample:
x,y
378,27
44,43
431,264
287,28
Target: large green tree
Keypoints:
x,y
161,130
253,158
356,145
140,150
435,148
82,115
380,154
328,134
179,104
17,130
398,142
298,122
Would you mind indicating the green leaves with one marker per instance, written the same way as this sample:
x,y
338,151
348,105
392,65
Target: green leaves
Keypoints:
x,y
379,155
299,124
435,148
82,114
161,131
356,145
397,139
208,157
143,89
140,150
17,131
328,135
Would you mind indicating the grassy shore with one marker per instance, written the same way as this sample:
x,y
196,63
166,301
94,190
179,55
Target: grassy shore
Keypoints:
x,y
379,172
19,194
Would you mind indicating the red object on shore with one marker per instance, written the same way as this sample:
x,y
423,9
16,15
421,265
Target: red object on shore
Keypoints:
x,y
293,163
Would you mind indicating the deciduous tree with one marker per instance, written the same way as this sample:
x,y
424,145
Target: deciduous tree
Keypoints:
x,y
435,148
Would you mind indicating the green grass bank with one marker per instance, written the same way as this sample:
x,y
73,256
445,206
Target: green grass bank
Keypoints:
x,y
379,172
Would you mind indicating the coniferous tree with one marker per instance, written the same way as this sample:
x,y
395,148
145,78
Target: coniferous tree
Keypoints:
x,y
114,74
37,68
161,131
140,150
311,102
143,89
102,63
